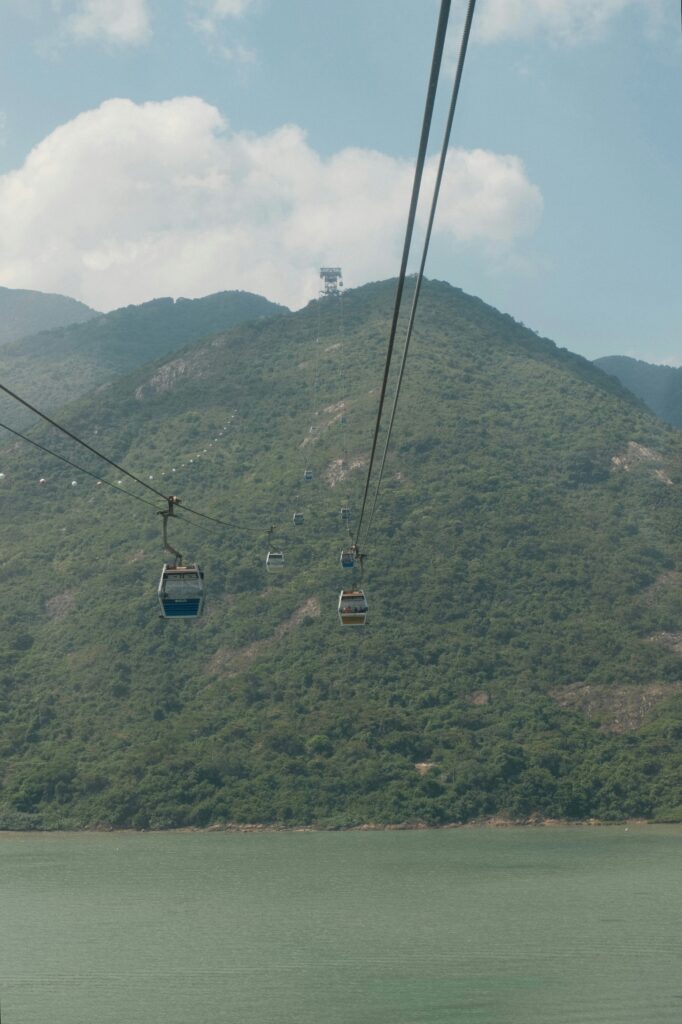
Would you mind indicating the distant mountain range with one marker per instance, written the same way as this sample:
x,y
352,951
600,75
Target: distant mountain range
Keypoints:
x,y
522,655
659,387
59,365
25,312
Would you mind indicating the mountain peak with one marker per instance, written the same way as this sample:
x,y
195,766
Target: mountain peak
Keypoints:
x,y
24,312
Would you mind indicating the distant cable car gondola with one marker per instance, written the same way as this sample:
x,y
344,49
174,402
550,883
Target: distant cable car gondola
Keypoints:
x,y
347,558
345,515
307,475
275,561
352,607
275,557
299,519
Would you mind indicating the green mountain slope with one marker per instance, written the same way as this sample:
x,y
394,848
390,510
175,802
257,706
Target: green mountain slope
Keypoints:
x,y
522,654
660,387
25,312
57,366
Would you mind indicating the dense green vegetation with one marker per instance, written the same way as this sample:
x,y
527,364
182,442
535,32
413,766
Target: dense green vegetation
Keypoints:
x,y
524,588
660,387
25,312
59,365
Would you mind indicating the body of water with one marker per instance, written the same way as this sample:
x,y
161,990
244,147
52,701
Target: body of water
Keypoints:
x,y
570,925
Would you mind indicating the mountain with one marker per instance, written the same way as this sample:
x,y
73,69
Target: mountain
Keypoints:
x,y
57,366
660,387
26,312
522,654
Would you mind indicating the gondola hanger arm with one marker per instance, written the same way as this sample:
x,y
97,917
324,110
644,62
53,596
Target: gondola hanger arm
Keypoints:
x,y
166,513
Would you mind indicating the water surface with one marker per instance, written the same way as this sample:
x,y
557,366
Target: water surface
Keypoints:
x,y
474,926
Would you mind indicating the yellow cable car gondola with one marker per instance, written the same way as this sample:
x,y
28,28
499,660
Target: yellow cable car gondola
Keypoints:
x,y
352,607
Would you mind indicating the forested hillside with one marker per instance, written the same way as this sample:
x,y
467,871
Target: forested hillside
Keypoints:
x,y
523,649
660,387
57,366
25,312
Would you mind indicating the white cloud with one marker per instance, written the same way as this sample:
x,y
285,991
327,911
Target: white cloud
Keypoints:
x,y
119,21
127,202
228,8
206,15
237,54
568,21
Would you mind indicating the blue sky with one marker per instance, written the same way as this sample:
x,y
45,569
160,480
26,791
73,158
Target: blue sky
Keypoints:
x,y
179,147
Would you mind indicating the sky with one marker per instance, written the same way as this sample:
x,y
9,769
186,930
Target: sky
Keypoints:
x,y
184,147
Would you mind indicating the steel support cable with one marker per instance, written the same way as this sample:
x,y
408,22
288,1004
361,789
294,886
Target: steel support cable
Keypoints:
x,y
221,522
195,526
315,411
439,44
306,455
105,458
420,276
74,437
344,385
344,415
100,480
81,469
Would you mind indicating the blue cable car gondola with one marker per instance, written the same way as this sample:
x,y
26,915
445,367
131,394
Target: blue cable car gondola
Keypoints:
x,y
181,587
181,591
347,558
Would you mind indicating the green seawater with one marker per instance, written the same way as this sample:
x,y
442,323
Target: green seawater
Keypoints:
x,y
474,926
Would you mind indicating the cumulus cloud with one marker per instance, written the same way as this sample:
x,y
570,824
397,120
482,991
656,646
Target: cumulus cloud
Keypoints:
x,y
119,21
226,8
127,202
568,21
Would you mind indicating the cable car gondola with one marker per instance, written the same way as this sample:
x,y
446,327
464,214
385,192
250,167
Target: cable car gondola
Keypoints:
x,y
347,558
345,515
181,587
181,591
352,607
298,519
307,475
275,561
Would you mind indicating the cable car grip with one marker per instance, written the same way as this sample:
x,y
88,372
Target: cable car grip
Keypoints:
x,y
172,502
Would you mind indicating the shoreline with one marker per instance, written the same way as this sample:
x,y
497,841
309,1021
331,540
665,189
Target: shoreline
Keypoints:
x,y
419,826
